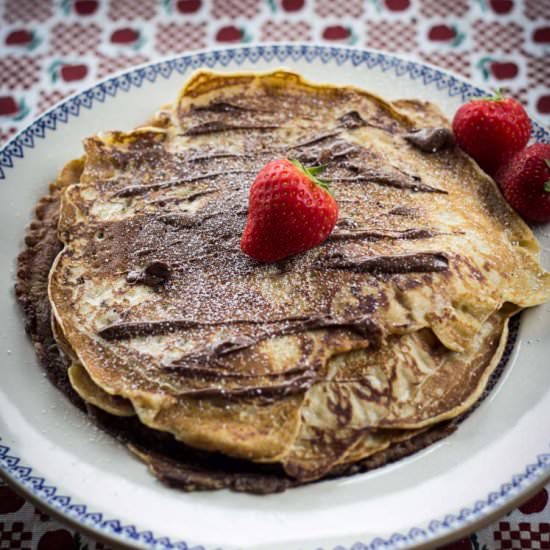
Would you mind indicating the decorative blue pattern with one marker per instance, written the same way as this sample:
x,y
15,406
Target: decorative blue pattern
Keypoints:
x,y
15,149
430,76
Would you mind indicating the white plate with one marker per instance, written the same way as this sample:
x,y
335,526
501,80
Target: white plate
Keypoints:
x,y
49,450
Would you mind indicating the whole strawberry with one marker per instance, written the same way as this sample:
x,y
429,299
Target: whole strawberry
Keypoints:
x,y
490,130
290,211
525,182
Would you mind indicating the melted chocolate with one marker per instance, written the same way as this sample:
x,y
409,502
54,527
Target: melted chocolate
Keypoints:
x,y
392,180
153,275
216,126
126,331
133,190
363,326
369,235
216,370
216,155
299,384
187,198
431,140
352,120
180,220
403,211
221,107
315,139
420,262
346,223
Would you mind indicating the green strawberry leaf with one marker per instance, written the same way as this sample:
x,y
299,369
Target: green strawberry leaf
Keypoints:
x,y
312,173
547,187
139,43
35,42
314,170
23,111
497,96
459,37
547,162
482,66
482,5
66,7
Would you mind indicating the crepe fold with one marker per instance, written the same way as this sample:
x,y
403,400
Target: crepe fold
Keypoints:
x,y
374,339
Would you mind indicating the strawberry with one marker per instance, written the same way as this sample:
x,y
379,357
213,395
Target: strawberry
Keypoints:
x,y
290,210
491,129
525,182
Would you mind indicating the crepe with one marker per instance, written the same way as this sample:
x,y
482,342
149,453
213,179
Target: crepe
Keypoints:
x,y
314,363
174,463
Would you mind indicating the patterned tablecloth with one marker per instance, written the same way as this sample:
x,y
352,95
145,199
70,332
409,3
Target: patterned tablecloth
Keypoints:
x,y
52,48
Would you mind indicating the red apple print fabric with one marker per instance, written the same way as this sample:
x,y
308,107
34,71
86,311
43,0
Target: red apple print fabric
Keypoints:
x,y
50,49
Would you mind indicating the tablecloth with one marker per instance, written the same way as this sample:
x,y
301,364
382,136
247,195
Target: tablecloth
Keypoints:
x,y
52,48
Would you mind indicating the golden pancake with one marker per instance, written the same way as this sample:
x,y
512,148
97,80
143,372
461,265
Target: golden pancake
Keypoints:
x,y
391,325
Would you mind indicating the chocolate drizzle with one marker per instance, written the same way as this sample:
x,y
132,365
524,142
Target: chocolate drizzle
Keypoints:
x,y
362,325
126,331
216,126
352,120
315,139
153,275
134,190
298,384
421,262
226,312
370,235
431,140
221,107
397,180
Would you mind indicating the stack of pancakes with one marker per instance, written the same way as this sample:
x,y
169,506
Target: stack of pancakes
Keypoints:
x,y
219,371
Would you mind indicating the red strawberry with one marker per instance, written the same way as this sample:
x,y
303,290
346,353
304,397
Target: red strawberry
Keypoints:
x,y
462,544
525,182
501,6
229,34
444,33
8,106
125,35
397,5
290,211
542,35
73,72
441,33
85,7
10,501
543,104
535,504
501,70
491,129
19,38
188,6
54,540
292,5
336,32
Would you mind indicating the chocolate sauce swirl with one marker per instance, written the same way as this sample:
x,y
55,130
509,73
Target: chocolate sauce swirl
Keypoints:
x,y
421,262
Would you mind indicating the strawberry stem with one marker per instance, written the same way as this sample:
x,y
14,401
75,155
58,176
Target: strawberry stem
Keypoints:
x,y
312,173
547,184
496,97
